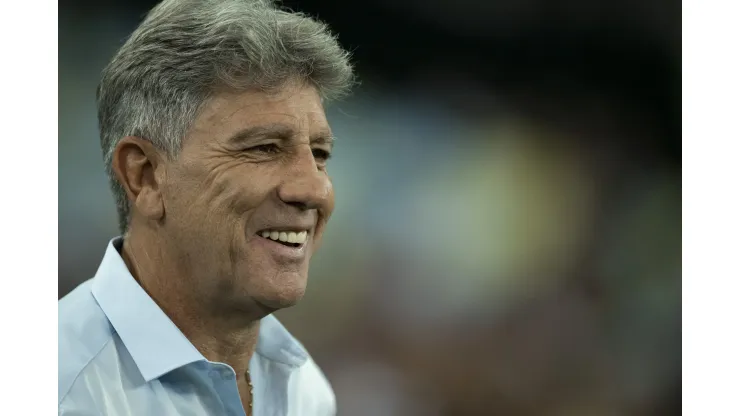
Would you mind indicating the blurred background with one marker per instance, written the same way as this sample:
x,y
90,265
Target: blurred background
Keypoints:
x,y
507,237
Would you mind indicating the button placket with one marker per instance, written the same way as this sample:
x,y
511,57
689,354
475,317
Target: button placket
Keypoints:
x,y
224,380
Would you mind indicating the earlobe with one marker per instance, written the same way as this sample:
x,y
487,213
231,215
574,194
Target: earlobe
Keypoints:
x,y
135,164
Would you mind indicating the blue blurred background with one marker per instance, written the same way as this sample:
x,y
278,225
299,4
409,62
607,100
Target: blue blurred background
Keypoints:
x,y
507,238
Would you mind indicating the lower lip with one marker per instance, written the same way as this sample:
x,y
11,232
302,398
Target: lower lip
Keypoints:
x,y
282,251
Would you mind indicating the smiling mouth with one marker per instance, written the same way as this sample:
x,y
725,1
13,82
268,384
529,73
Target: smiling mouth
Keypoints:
x,y
294,238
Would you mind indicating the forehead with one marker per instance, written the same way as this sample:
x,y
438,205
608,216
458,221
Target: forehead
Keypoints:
x,y
297,106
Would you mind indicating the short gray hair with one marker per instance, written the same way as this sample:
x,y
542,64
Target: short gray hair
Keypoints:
x,y
185,50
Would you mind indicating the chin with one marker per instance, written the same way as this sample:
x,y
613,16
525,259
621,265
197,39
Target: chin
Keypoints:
x,y
283,292
280,300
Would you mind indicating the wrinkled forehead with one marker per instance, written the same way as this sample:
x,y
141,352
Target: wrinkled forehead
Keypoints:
x,y
298,109
299,106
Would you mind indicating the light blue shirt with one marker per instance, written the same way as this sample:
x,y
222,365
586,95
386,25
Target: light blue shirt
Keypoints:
x,y
119,354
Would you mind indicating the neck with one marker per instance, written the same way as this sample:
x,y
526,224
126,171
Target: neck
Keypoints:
x,y
220,336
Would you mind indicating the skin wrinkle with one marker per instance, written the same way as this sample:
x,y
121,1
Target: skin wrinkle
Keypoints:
x,y
202,260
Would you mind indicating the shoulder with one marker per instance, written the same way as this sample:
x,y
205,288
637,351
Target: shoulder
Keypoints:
x,y
314,389
84,332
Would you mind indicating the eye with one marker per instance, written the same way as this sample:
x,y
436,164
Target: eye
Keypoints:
x,y
321,155
268,149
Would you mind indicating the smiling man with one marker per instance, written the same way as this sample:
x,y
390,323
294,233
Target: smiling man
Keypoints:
x,y
216,144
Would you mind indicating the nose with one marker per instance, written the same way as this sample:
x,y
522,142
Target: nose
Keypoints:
x,y
305,186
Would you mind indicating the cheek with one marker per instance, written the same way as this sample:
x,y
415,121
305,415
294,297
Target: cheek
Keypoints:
x,y
231,190
205,198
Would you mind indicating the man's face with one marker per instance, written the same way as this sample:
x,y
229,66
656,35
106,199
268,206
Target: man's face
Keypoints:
x,y
248,197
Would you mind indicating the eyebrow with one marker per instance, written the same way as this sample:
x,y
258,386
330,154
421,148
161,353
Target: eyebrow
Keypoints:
x,y
283,132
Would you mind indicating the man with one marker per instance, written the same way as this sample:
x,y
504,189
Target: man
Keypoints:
x,y
216,143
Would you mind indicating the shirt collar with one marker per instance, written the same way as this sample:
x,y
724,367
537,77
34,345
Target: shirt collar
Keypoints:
x,y
277,344
153,340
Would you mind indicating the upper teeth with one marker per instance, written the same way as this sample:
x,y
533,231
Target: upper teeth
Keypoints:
x,y
286,236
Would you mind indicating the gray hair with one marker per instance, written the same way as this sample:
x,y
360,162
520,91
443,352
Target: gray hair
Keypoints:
x,y
185,50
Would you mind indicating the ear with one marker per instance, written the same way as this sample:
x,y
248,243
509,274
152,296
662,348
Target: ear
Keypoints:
x,y
138,166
